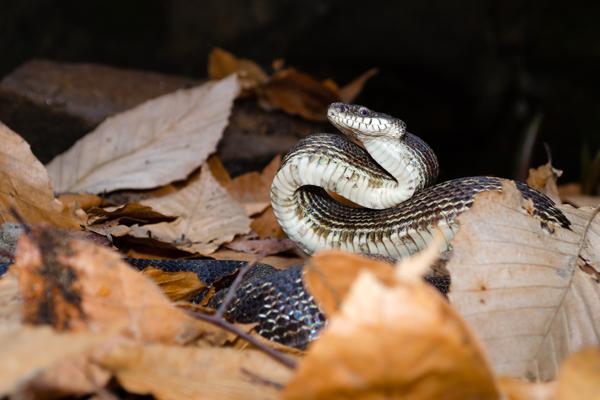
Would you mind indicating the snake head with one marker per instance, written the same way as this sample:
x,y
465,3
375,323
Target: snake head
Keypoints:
x,y
359,122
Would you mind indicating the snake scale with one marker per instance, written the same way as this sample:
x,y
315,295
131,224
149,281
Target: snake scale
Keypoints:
x,y
374,163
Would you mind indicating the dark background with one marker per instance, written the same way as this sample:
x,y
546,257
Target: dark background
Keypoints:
x,y
470,77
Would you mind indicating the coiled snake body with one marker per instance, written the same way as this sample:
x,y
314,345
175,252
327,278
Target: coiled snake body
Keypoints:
x,y
375,164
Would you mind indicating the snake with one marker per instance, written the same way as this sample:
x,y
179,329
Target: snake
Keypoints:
x,y
388,175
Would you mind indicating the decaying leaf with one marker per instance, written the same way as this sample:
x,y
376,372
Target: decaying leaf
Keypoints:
x,y
544,179
350,91
222,63
297,93
27,353
275,261
75,285
252,189
579,376
395,341
157,142
264,247
173,373
10,304
176,285
530,295
25,185
571,194
521,389
207,216
329,275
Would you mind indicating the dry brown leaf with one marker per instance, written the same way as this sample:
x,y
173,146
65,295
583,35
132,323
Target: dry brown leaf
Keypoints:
x,y
208,216
84,201
350,91
218,170
265,225
29,352
78,286
157,142
131,212
252,189
579,376
173,373
175,285
329,275
222,63
531,296
297,93
402,341
25,185
543,178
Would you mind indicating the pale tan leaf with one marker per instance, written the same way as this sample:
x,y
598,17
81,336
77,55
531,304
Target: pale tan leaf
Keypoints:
x,y
25,185
30,351
181,285
532,296
521,389
208,216
398,341
173,373
10,303
571,194
222,63
157,142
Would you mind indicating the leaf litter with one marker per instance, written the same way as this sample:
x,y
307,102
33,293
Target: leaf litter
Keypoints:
x,y
390,335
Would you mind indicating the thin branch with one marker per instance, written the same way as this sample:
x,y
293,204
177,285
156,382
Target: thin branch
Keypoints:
x,y
229,327
229,296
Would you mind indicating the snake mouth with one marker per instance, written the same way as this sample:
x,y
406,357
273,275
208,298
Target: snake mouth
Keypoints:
x,y
360,123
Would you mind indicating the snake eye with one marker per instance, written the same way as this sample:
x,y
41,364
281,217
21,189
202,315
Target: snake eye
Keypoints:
x,y
363,112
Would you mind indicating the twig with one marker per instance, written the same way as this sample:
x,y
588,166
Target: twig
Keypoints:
x,y
227,326
234,287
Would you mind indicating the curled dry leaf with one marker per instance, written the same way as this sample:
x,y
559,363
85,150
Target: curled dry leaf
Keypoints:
x,y
207,216
265,225
579,376
396,341
252,189
543,178
25,185
173,373
329,275
297,93
571,194
222,63
176,286
157,142
75,285
530,295
350,91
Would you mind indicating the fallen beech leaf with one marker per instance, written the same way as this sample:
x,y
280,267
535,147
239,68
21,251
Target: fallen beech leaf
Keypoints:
x,y
173,373
351,91
222,63
208,216
157,142
25,185
579,376
30,351
402,341
265,225
329,275
297,93
531,296
263,247
84,201
543,178
252,189
78,286
175,285
131,212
